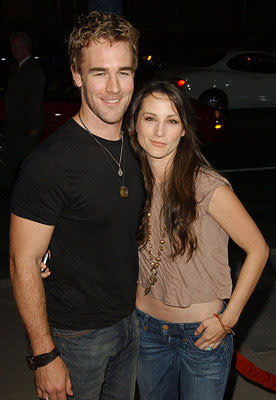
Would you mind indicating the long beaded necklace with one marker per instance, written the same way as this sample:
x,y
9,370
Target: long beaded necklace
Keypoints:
x,y
120,172
154,261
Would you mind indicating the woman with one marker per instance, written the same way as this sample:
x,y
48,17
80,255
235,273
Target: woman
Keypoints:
x,y
185,325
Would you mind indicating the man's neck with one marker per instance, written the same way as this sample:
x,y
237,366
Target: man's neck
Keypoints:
x,y
98,127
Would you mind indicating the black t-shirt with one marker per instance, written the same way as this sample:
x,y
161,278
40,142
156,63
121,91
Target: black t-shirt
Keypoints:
x,y
69,182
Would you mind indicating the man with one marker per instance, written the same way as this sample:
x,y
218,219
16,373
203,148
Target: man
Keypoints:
x,y
80,194
24,114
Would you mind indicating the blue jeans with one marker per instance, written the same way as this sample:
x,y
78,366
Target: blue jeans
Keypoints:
x,y
102,362
171,367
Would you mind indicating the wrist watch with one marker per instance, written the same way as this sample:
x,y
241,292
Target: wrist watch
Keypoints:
x,y
42,359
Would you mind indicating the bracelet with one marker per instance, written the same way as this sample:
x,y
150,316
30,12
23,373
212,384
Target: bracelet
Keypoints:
x,y
226,326
42,359
227,329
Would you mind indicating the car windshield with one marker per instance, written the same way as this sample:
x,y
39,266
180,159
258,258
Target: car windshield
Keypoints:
x,y
192,57
253,62
201,57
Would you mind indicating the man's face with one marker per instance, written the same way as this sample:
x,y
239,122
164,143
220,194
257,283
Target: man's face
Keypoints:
x,y
106,80
18,50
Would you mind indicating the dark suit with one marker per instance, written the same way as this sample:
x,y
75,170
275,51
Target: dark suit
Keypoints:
x,y
23,111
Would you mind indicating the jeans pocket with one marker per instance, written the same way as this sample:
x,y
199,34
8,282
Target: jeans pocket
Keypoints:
x,y
217,351
134,326
141,319
70,334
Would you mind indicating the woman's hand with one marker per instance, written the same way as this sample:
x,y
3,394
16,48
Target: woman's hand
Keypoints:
x,y
44,269
213,334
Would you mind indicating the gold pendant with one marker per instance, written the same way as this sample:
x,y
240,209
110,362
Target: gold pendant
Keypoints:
x,y
147,290
123,191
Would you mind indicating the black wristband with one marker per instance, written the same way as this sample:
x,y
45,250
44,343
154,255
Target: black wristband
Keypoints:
x,y
42,359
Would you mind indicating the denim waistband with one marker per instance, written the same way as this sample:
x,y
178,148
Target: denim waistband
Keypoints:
x,y
158,323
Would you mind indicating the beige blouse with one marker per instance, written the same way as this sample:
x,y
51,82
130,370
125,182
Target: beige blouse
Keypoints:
x,y
206,276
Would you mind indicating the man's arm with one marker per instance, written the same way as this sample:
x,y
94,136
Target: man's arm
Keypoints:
x,y
29,241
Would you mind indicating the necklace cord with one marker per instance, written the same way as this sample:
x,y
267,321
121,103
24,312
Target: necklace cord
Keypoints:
x,y
120,172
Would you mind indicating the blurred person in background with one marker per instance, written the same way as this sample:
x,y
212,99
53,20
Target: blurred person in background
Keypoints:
x,y
24,114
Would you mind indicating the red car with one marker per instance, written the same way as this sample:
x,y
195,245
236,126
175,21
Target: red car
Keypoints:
x,y
57,113
211,126
63,100
210,121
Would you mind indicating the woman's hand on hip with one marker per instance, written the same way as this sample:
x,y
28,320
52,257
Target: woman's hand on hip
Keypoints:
x,y
212,334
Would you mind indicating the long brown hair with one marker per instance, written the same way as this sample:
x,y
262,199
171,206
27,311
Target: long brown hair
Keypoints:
x,y
179,203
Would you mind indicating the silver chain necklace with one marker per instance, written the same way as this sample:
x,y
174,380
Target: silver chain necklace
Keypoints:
x,y
120,172
102,146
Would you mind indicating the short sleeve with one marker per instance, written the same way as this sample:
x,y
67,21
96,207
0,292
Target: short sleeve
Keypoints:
x,y
206,184
39,193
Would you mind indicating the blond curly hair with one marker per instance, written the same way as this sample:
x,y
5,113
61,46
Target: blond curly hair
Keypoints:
x,y
98,26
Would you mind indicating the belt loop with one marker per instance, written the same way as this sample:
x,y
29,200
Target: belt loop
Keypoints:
x,y
145,321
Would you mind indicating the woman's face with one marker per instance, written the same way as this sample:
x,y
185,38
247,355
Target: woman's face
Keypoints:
x,y
159,127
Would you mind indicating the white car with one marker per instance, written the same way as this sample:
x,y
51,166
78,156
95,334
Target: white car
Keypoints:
x,y
241,79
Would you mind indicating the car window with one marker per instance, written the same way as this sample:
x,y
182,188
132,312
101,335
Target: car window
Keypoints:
x,y
265,64
253,62
242,62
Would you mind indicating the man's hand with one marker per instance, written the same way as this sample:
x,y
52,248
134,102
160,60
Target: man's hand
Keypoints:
x,y
53,381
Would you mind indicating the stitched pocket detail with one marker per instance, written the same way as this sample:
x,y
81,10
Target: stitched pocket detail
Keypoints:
x,y
70,334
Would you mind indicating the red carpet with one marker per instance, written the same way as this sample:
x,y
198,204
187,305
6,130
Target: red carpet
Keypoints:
x,y
254,374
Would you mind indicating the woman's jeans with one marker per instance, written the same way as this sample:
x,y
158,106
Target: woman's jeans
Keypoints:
x,y
171,367
102,362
